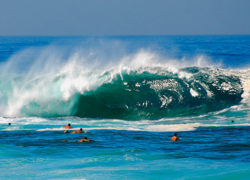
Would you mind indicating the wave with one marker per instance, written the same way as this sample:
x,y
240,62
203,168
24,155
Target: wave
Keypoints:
x,y
137,86
152,96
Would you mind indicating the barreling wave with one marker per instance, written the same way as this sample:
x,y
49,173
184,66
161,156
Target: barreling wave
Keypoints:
x,y
152,96
144,89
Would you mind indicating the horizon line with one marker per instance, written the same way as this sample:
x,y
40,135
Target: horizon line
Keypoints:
x,y
125,35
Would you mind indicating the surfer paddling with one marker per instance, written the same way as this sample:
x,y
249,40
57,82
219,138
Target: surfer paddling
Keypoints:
x,y
175,138
68,126
85,139
78,131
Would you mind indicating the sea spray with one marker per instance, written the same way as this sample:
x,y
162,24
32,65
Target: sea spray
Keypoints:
x,y
140,85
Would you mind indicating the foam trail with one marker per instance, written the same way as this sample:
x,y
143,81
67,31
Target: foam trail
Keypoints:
x,y
163,125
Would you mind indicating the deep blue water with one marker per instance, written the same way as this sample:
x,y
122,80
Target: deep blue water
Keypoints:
x,y
129,94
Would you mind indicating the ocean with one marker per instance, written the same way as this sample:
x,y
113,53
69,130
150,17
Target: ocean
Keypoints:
x,y
130,94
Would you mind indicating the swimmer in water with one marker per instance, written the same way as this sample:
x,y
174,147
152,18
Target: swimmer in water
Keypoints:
x,y
85,139
9,124
175,138
68,127
78,131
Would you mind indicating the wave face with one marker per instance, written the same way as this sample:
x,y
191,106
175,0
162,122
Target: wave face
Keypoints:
x,y
132,86
135,95
146,95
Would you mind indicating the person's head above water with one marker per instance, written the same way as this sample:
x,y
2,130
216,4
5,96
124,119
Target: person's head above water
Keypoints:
x,y
9,124
85,139
69,124
175,137
80,129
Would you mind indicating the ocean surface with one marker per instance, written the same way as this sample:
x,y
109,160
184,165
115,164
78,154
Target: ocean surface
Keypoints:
x,y
130,94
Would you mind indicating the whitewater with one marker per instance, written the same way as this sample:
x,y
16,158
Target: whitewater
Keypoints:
x,y
129,94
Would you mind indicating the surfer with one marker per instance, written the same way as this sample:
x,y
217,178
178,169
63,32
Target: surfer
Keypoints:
x,y
85,139
175,138
68,127
78,131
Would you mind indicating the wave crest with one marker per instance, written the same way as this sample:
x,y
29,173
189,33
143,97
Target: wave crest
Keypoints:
x,y
143,85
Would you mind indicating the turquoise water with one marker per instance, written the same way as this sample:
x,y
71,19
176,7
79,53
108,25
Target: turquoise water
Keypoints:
x,y
129,94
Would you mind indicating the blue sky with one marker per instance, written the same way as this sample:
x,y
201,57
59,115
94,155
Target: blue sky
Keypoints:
x,y
124,17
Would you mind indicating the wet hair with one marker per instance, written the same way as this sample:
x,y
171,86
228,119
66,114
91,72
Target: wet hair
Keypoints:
x,y
9,124
85,137
80,129
232,121
69,124
175,134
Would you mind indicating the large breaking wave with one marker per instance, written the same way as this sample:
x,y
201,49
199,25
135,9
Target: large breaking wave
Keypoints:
x,y
143,85
146,95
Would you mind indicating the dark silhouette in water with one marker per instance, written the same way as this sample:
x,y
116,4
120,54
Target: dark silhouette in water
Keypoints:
x,y
85,139
68,126
78,131
175,138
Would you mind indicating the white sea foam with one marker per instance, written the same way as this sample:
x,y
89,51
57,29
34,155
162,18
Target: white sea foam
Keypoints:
x,y
194,93
245,78
172,127
52,78
164,125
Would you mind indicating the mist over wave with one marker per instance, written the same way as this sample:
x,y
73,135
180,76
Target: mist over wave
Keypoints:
x,y
103,82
